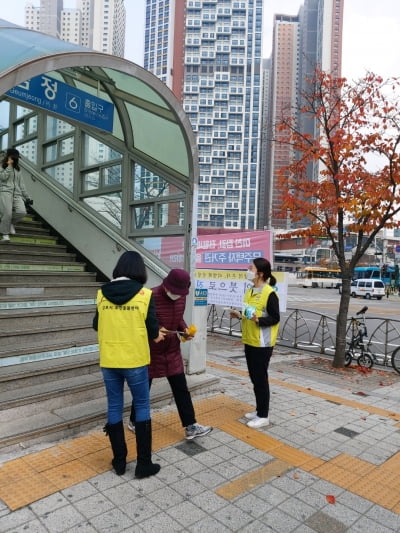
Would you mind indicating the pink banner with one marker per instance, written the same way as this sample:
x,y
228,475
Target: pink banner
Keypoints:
x,y
233,250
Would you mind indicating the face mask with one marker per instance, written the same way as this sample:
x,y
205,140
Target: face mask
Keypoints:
x,y
250,275
173,296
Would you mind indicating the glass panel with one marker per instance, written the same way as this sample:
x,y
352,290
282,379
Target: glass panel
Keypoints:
x,y
159,138
149,185
50,153
19,131
22,111
4,142
63,174
143,217
112,175
67,146
169,249
32,125
29,150
108,206
96,152
4,115
91,180
170,214
56,127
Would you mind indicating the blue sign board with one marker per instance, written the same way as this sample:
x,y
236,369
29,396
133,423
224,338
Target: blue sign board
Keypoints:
x,y
200,296
235,257
58,97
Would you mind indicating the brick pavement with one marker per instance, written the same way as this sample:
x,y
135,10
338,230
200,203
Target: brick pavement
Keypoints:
x,y
328,463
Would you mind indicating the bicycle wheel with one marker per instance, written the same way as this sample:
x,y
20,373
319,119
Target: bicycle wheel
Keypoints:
x,y
348,358
396,360
365,360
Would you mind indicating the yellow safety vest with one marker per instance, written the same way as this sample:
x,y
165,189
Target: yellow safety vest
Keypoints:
x,y
122,332
252,333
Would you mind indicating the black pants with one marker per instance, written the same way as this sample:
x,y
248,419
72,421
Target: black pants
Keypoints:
x,y
182,399
257,363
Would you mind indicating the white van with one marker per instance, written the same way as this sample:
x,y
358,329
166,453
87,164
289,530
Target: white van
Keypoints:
x,y
368,288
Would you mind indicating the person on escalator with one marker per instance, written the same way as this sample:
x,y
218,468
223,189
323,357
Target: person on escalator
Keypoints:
x,y
13,194
125,321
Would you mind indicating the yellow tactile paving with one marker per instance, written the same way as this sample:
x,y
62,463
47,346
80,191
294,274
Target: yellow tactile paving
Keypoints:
x,y
257,439
312,464
100,460
68,474
46,459
253,479
392,464
353,464
306,390
14,471
338,476
21,492
84,445
32,477
379,494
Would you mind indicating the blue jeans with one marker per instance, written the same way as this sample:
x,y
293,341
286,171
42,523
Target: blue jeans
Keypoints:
x,y
138,383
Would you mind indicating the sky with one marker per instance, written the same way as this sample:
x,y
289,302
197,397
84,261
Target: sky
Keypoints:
x,y
371,32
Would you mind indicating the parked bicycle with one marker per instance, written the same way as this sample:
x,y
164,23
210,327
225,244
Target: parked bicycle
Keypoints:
x,y
358,345
358,348
396,359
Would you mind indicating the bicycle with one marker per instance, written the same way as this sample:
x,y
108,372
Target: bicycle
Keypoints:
x,y
357,348
396,359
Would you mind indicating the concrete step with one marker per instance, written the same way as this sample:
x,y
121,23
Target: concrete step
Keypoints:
x,y
53,394
45,337
65,421
30,278
32,238
41,291
46,317
36,264
27,246
64,361
10,255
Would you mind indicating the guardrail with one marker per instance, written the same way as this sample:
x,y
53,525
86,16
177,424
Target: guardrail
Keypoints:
x,y
315,332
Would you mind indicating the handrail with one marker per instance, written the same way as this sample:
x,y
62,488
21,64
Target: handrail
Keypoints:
x,y
315,332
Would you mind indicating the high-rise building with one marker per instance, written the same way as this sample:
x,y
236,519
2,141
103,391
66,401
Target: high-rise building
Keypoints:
x,y
302,43
209,53
97,24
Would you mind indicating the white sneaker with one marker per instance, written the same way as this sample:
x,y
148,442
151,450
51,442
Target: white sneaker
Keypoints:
x,y
258,422
251,415
6,238
12,229
131,426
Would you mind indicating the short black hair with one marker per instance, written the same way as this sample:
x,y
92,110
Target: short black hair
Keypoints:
x,y
131,265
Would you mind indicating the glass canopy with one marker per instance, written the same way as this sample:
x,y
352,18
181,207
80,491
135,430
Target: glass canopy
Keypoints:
x,y
106,131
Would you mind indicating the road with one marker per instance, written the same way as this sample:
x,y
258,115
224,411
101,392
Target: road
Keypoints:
x,y
326,301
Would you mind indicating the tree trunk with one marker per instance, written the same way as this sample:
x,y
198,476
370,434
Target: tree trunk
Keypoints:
x,y
341,324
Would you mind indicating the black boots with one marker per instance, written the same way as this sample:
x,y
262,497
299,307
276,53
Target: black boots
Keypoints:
x,y
144,466
118,445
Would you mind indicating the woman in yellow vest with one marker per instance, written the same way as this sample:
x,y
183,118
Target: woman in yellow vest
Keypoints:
x,y
125,321
260,324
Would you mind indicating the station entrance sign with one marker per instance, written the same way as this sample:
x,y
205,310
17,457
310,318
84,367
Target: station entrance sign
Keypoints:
x,y
57,97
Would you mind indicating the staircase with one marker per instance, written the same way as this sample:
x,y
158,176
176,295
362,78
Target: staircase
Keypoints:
x,y
48,348
50,382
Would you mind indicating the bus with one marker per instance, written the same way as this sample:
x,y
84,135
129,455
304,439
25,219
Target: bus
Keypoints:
x,y
319,277
386,274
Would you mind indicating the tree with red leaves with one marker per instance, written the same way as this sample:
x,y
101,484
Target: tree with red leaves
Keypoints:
x,y
356,149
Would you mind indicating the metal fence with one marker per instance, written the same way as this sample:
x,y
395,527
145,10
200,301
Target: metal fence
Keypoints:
x,y
315,332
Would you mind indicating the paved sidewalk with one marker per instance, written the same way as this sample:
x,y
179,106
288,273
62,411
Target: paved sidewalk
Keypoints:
x,y
329,462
